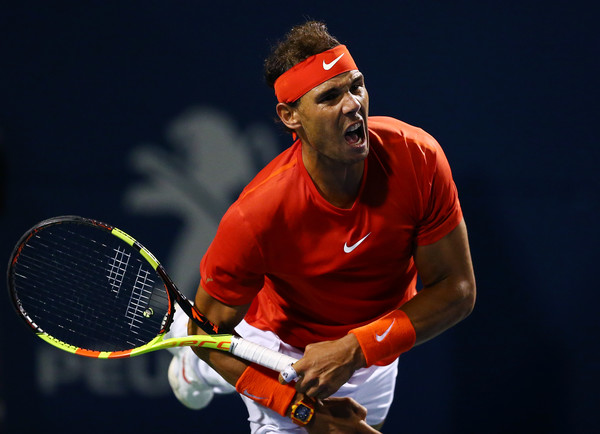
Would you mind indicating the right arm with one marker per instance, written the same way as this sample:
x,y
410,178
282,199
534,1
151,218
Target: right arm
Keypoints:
x,y
341,415
227,317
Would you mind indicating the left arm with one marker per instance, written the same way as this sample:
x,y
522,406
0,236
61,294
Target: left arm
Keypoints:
x,y
447,297
448,294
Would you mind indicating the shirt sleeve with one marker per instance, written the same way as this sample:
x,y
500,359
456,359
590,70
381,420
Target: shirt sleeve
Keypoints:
x,y
440,204
232,269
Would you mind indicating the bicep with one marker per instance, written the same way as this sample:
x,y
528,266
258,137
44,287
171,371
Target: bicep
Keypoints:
x,y
448,258
448,293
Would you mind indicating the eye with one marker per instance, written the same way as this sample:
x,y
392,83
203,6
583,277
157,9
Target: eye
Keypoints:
x,y
329,96
357,86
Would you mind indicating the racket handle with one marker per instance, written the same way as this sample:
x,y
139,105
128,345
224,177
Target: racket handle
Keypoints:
x,y
259,354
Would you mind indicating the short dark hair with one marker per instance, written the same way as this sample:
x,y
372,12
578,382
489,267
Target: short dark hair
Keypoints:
x,y
301,42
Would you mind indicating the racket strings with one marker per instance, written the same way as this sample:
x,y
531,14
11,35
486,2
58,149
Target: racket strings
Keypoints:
x,y
139,299
92,292
117,267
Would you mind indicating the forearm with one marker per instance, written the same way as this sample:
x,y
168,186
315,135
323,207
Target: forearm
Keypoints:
x,y
448,293
227,318
447,297
258,383
439,307
327,365
227,365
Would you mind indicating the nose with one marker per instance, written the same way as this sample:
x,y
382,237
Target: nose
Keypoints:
x,y
352,103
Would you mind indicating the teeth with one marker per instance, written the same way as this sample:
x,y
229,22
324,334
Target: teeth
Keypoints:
x,y
353,128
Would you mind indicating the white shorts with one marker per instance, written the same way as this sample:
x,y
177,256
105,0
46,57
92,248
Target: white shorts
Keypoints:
x,y
371,387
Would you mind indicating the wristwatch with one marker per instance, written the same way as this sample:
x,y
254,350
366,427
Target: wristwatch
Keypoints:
x,y
303,411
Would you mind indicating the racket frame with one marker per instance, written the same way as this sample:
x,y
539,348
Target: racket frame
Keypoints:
x,y
212,340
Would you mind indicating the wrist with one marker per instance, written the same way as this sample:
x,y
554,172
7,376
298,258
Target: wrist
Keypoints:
x,y
383,340
356,352
302,410
262,385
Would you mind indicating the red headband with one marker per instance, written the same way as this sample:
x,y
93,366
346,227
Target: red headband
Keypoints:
x,y
311,72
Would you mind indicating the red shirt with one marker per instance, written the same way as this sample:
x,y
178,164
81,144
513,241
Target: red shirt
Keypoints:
x,y
313,271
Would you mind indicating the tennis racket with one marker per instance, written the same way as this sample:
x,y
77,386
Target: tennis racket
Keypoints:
x,y
91,289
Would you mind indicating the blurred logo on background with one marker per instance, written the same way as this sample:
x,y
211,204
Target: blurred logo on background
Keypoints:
x,y
207,160
210,158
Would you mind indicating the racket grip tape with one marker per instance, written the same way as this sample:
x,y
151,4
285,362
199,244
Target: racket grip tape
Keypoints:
x,y
261,355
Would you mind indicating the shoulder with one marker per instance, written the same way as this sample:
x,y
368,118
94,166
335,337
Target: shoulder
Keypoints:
x,y
389,131
265,193
280,168
394,139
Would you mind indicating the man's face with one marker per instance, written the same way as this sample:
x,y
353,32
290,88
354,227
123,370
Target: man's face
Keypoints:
x,y
333,116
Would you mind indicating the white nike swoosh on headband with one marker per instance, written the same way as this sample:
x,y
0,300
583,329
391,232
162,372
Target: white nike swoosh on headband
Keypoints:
x,y
328,66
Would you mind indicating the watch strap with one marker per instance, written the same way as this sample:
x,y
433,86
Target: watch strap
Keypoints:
x,y
303,411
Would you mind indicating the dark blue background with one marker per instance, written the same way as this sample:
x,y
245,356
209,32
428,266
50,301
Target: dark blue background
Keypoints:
x,y
508,88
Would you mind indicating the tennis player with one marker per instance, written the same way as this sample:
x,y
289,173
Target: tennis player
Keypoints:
x,y
318,258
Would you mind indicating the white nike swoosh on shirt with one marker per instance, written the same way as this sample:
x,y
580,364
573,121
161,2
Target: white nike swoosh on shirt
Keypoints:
x,y
328,66
348,249
381,337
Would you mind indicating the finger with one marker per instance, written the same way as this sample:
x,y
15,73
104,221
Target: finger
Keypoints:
x,y
348,407
360,410
317,391
364,428
288,374
308,386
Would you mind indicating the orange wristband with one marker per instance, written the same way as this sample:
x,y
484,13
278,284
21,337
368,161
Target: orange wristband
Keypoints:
x,y
383,340
262,385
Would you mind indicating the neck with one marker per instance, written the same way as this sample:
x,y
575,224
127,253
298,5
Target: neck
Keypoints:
x,y
338,183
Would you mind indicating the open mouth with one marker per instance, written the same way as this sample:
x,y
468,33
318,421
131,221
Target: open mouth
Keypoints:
x,y
355,133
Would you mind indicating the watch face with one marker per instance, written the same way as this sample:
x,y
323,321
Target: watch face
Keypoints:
x,y
302,412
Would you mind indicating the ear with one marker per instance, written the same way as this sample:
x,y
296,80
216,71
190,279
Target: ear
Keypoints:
x,y
288,115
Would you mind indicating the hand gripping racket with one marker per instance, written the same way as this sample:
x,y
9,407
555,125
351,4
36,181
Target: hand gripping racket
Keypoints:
x,y
90,289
